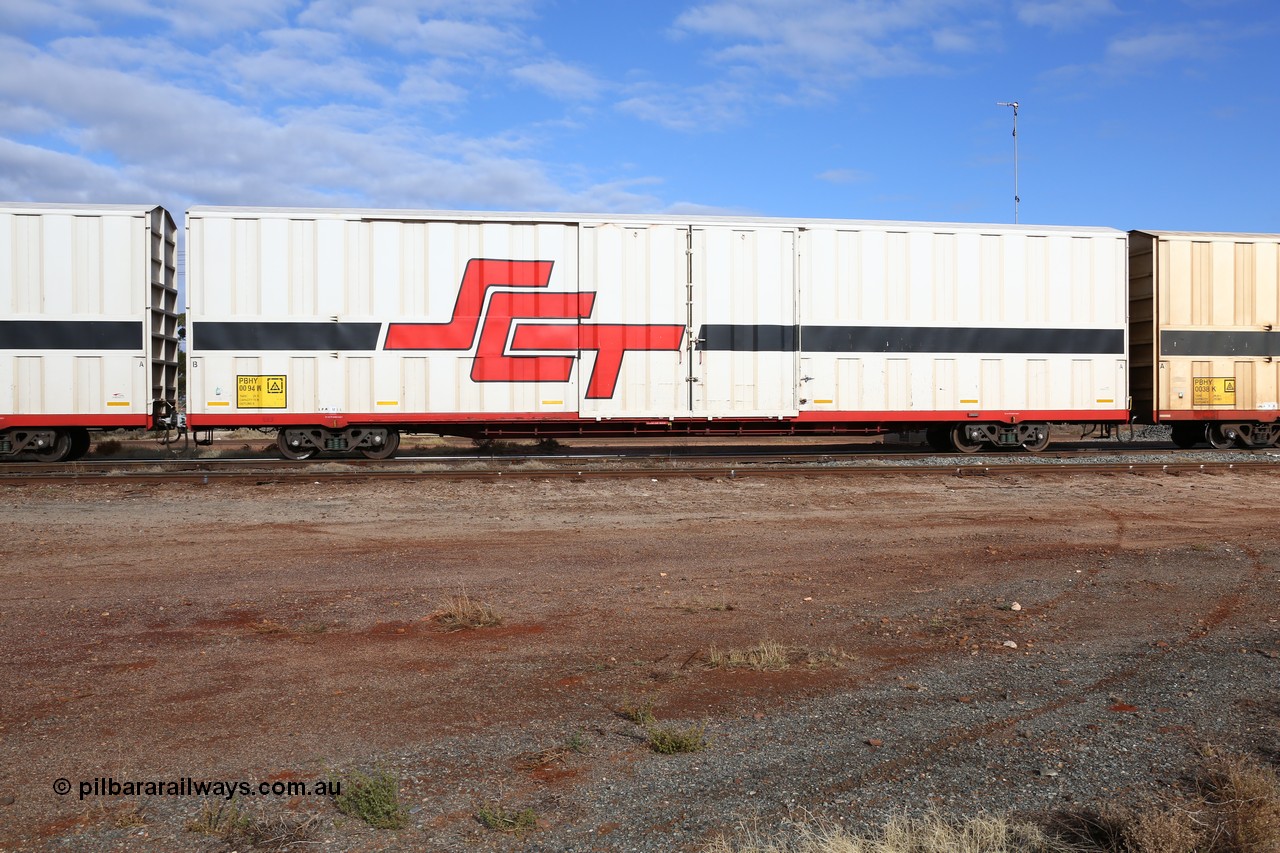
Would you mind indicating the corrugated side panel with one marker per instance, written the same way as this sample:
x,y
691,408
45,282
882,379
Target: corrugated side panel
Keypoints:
x,y
936,321
73,308
1217,299
312,301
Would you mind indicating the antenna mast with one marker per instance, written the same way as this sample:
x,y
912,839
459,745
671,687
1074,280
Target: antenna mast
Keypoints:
x,y
1016,199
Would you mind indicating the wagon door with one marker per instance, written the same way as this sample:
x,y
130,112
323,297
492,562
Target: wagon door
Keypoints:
x,y
744,308
633,343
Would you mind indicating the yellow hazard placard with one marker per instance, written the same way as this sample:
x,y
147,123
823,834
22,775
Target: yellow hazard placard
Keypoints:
x,y
260,392
1213,391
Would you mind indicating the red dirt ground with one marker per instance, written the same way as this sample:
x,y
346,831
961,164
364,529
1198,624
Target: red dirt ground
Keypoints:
x,y
234,631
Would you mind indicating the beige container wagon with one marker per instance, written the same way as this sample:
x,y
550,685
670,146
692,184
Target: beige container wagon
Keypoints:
x,y
343,328
1205,335
88,324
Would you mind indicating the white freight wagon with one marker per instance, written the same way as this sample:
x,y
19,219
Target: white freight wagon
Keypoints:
x,y
344,327
88,324
1206,335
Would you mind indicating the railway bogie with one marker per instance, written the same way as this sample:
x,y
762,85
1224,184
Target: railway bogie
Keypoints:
x,y
308,442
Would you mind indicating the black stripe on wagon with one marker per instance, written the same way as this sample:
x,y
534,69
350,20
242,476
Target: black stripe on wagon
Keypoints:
x,y
71,334
910,339
213,336
1220,343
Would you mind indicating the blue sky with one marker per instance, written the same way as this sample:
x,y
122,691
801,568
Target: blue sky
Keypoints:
x,y
1160,114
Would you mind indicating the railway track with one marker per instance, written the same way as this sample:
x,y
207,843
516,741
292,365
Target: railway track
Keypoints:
x,y
655,463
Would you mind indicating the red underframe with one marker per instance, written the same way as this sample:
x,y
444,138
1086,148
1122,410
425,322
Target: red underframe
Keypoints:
x,y
87,421
1264,416
572,423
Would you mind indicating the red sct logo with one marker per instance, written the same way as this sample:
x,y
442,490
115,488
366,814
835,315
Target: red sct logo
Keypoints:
x,y
519,320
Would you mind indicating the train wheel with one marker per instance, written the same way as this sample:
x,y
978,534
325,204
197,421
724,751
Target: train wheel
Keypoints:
x,y
59,451
79,443
387,449
1221,436
961,441
1039,439
298,452
1187,435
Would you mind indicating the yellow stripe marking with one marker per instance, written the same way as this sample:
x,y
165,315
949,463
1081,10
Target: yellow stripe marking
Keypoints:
x,y
117,403
1106,401
388,402
824,401
553,402
974,402
218,403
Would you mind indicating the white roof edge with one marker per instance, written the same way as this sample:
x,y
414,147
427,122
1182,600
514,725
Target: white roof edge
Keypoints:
x,y
1226,235
627,218
69,207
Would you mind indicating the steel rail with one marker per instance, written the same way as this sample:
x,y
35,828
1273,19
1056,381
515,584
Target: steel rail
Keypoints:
x,y
747,456
302,472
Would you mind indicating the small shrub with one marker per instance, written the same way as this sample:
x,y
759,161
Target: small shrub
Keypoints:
x,y
640,713
578,743
673,740
496,817
461,613
374,799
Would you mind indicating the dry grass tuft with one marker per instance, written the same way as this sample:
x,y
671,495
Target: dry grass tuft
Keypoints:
x,y
461,613
930,834
767,655
1161,830
772,655
1244,796
576,745
1235,809
817,658
237,827
129,817
497,817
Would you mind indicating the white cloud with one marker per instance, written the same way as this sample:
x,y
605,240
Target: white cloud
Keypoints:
x,y
1145,53
1064,14
31,172
1154,48
430,84
808,51
852,38
707,107
560,80
844,176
